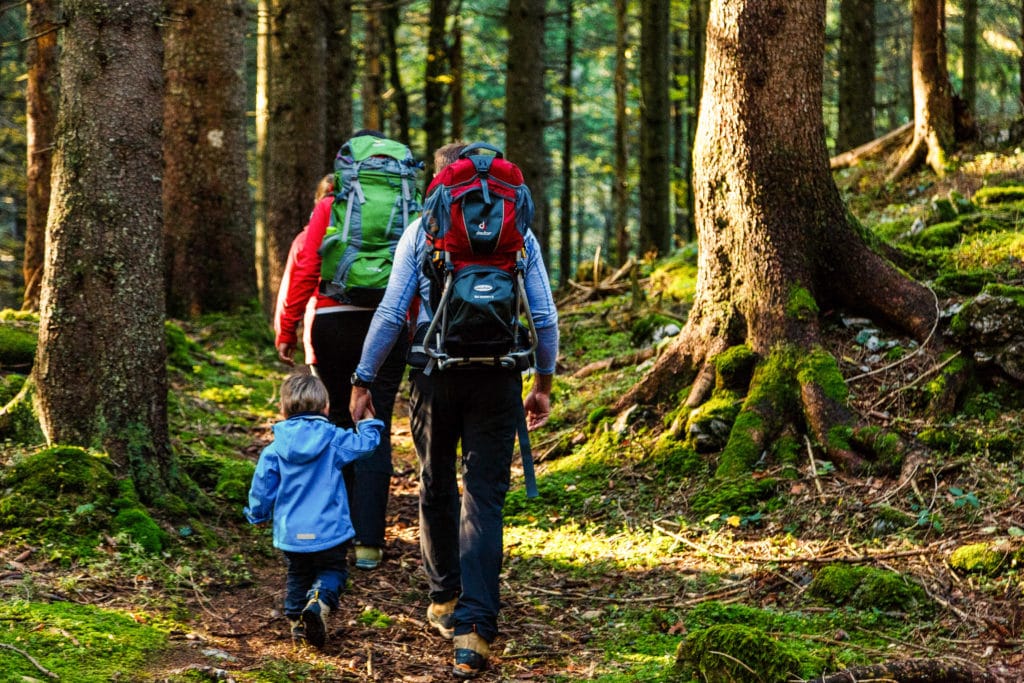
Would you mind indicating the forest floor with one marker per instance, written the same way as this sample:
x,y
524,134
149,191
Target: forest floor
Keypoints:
x,y
610,569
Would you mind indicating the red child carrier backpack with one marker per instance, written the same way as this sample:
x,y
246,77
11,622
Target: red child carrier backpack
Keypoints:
x,y
475,216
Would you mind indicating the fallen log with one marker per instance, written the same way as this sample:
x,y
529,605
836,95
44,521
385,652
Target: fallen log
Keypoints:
x,y
910,671
891,140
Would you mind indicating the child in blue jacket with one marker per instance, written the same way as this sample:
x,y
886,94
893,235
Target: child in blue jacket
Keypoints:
x,y
298,483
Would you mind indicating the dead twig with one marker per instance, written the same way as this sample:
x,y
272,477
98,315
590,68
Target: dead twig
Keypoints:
x,y
30,658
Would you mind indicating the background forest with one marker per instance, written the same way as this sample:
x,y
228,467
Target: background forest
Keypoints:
x,y
786,236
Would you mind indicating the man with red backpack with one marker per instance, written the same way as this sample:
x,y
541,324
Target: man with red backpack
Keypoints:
x,y
468,391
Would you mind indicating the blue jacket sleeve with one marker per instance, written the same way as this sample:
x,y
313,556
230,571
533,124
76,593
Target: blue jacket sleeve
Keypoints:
x,y
542,306
359,443
263,491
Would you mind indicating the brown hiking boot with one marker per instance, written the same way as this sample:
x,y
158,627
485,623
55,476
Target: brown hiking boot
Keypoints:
x,y
441,615
471,652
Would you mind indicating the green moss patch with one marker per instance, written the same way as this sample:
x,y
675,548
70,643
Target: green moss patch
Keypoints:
x,y
76,642
731,653
984,558
867,588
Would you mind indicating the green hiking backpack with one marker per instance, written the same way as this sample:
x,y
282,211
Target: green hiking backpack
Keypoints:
x,y
375,198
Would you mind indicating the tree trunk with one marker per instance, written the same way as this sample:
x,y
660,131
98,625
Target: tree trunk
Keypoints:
x,y
856,74
392,20
770,223
208,240
99,368
620,184
655,226
295,129
680,146
696,42
969,92
433,83
933,99
341,76
565,229
456,64
373,68
41,108
525,112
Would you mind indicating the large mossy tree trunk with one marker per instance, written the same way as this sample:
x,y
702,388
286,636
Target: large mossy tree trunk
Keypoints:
x,y
776,243
99,369
210,250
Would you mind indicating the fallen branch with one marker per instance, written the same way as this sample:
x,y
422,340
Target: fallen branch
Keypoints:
x,y
612,363
894,138
909,671
45,672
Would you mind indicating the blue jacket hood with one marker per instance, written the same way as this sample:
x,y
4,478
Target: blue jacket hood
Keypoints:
x,y
307,437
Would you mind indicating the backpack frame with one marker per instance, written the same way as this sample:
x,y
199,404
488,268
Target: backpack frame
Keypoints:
x,y
475,218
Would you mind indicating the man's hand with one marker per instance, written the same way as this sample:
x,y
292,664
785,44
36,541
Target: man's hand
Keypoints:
x,y
360,404
538,402
285,351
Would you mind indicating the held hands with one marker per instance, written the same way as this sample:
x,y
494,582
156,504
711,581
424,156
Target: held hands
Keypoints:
x,y
285,351
360,404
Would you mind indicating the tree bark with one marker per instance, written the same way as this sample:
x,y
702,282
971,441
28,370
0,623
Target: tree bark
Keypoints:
x,y
620,184
565,228
295,129
210,253
933,98
99,368
41,108
655,227
969,92
457,66
856,74
400,120
525,110
341,76
434,92
373,71
770,222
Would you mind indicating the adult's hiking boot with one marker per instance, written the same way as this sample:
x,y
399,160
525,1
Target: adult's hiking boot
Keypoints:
x,y
314,619
298,631
368,557
471,652
441,615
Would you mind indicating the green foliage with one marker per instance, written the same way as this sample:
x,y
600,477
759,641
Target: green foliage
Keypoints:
x,y
374,618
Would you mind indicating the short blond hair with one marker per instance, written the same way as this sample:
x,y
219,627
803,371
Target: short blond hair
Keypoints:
x,y
303,392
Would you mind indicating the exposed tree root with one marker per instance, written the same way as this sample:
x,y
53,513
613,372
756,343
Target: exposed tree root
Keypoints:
x,y
881,146
7,413
910,671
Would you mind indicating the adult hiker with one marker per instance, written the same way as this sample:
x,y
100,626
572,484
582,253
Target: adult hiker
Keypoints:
x,y
345,261
464,398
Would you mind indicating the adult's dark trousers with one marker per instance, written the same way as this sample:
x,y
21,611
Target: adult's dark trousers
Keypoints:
x,y
338,342
321,574
461,538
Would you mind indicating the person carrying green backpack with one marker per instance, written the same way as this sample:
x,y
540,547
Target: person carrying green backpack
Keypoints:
x,y
345,261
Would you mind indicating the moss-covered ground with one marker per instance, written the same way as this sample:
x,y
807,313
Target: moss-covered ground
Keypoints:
x,y
635,564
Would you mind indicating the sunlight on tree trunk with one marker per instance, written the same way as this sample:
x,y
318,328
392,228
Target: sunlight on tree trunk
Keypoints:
x,y
776,243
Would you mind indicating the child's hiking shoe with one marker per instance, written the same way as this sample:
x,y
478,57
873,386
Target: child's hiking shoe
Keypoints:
x,y
471,652
314,619
441,615
298,631
368,557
